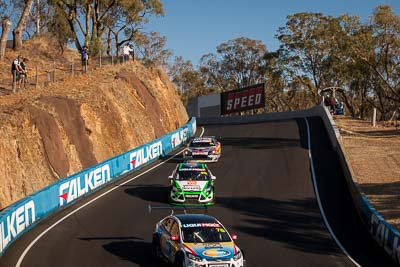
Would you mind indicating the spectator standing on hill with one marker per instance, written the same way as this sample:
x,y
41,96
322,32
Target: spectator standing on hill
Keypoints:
x,y
85,58
16,70
23,79
132,52
127,50
332,105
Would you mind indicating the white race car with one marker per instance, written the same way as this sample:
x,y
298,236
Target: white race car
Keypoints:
x,y
203,149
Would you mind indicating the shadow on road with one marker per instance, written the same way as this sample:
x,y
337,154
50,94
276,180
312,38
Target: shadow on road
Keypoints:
x,y
259,142
135,251
152,193
295,223
177,159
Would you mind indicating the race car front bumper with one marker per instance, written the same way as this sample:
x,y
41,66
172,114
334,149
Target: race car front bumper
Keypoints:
x,y
217,263
193,198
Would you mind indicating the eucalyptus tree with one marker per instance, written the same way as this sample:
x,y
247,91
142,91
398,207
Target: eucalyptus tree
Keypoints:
x,y
307,41
150,48
93,19
6,26
127,19
355,76
238,63
21,25
189,81
41,15
384,59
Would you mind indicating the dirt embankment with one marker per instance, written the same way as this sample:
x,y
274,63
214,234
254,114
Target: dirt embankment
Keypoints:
x,y
374,156
53,132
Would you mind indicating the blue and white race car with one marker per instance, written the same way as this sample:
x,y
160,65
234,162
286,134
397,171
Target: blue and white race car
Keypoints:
x,y
195,240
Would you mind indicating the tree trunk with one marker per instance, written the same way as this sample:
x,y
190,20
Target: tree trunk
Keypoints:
x,y
38,18
87,24
3,41
349,106
72,27
17,32
109,41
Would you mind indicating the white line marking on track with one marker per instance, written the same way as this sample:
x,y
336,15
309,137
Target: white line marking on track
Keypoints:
x,y
319,200
21,258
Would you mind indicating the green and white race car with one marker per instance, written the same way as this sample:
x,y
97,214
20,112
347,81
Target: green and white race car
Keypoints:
x,y
192,183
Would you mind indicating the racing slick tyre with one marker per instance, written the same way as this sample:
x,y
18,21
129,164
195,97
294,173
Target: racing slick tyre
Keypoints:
x,y
179,260
214,198
155,247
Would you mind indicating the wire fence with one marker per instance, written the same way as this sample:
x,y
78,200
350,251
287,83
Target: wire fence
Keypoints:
x,y
39,76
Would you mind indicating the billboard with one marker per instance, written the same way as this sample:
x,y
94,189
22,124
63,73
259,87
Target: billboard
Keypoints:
x,y
251,97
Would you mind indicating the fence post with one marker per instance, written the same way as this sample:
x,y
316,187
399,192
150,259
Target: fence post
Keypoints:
x,y
112,60
48,77
374,118
14,82
72,69
37,77
54,72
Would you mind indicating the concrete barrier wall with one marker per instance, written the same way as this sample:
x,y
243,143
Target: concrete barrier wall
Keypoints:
x,y
18,218
385,234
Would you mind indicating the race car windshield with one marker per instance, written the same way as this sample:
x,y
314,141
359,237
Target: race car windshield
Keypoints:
x,y
193,175
204,234
202,144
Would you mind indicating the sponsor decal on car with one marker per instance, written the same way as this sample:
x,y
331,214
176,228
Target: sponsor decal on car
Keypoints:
x,y
191,187
216,253
202,140
76,187
16,222
188,225
192,170
200,152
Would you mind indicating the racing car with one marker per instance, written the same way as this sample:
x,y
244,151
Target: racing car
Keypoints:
x,y
192,183
203,149
195,240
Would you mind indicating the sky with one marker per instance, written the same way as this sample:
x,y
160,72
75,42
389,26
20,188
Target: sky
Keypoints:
x,y
196,27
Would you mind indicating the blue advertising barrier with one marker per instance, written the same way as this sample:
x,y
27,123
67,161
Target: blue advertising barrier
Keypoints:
x,y
18,218
386,235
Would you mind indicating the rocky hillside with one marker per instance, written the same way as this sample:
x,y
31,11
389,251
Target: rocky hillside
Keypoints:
x,y
52,132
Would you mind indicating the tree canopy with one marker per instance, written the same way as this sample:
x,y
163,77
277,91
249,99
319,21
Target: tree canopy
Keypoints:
x,y
316,52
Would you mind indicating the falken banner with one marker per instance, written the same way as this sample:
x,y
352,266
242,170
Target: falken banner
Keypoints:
x,y
242,99
24,214
385,234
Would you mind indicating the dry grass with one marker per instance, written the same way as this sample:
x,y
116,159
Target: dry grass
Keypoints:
x,y
43,52
374,155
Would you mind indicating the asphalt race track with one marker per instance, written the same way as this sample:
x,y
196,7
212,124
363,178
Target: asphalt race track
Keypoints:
x,y
265,195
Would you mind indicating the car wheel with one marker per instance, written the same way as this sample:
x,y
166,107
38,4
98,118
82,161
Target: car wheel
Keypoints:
x,y
214,198
156,246
169,194
179,260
